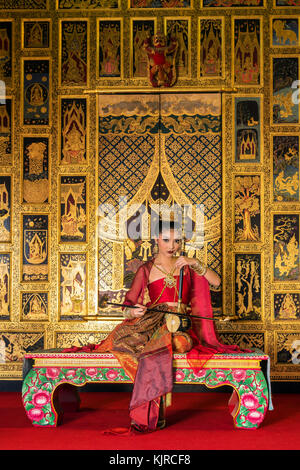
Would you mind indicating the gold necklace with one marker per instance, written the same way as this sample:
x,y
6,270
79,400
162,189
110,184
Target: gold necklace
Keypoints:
x,y
169,280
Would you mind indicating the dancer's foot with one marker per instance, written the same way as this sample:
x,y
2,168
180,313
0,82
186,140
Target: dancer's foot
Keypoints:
x,y
161,424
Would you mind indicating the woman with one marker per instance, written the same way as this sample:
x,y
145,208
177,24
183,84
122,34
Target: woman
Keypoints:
x,y
143,343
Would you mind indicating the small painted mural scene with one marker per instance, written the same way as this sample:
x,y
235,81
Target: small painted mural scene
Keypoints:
x,y
36,185
285,75
247,52
73,286
247,124
286,168
35,258
36,103
286,265
248,286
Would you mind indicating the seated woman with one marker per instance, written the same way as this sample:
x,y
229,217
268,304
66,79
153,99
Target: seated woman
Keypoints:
x,y
143,343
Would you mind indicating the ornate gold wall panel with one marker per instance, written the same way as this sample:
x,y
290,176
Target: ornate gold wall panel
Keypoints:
x,y
60,61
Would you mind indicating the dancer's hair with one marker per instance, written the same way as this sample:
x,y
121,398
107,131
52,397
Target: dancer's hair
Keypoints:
x,y
163,225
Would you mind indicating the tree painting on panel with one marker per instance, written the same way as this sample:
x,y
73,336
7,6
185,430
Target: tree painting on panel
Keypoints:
x,y
247,286
247,208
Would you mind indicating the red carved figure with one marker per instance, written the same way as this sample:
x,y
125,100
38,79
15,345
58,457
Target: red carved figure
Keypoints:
x,y
161,60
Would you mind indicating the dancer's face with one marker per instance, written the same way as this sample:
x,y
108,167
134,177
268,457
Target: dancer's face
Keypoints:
x,y
169,243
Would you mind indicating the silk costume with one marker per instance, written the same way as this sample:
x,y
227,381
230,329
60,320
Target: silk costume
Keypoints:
x,y
143,345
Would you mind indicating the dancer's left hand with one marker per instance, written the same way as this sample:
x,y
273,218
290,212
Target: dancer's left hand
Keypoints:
x,y
184,261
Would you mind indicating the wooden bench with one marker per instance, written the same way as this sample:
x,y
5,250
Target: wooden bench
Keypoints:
x,y
46,373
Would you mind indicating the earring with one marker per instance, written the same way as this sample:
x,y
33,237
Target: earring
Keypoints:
x,y
155,249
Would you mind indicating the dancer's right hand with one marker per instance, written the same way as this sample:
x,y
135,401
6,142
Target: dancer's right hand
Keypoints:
x,y
138,312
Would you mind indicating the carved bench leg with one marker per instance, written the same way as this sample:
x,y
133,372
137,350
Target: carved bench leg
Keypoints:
x,y
45,394
37,393
248,403
47,390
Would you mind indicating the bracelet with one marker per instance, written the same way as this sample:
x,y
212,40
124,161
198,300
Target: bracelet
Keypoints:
x,y
199,268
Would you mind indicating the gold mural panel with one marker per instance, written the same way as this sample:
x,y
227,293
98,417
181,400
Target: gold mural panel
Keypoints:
x,y
34,261
74,61
35,169
5,285
67,339
73,286
6,208
36,34
34,306
69,5
160,4
140,29
247,208
180,28
247,42
211,47
246,339
24,5
236,4
286,306
36,91
286,4
287,350
284,31
7,118
110,48
285,246
14,344
285,169
285,71
73,125
248,292
7,51
247,125
73,208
